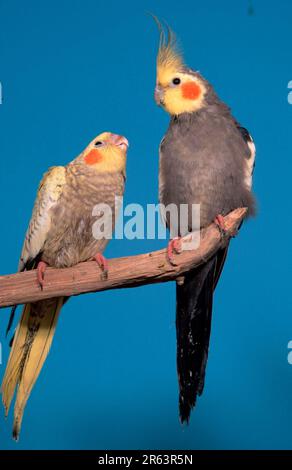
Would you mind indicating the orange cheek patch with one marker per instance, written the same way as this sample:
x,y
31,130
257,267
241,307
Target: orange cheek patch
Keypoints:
x,y
191,90
93,157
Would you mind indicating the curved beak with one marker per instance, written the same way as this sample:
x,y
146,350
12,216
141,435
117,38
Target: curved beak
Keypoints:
x,y
119,141
158,95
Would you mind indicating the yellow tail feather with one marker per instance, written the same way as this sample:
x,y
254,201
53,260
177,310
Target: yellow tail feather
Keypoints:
x,y
32,342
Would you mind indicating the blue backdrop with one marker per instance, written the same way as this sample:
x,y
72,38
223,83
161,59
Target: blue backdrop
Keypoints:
x,y
73,68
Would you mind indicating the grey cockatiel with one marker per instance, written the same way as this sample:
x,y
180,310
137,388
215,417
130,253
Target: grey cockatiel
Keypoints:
x,y
206,158
61,234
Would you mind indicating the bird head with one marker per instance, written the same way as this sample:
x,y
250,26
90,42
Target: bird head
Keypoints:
x,y
107,152
178,89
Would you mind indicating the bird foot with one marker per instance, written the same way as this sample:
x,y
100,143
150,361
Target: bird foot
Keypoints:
x,y
220,223
41,268
102,263
174,247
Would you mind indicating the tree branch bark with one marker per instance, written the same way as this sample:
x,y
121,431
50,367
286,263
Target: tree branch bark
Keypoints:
x,y
131,271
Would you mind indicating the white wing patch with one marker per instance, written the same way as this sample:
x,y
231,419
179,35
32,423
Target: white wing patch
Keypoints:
x,y
49,192
250,163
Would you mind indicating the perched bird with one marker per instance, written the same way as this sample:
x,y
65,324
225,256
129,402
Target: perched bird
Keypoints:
x,y
206,158
60,234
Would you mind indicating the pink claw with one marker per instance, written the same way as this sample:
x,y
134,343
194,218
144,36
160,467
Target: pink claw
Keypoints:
x,y
41,268
220,221
174,246
102,263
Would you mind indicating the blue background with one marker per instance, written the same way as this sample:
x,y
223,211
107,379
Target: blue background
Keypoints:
x,y
71,69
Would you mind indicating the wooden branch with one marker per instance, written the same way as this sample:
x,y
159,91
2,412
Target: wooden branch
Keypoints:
x,y
131,271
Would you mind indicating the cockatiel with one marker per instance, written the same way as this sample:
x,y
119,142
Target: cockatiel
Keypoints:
x,y
206,158
60,234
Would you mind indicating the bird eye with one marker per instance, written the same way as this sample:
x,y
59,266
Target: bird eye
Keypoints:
x,y
176,81
98,143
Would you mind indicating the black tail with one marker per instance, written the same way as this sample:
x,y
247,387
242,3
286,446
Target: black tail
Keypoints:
x,y
11,319
194,300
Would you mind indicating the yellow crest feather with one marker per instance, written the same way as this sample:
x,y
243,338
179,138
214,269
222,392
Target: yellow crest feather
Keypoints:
x,y
169,59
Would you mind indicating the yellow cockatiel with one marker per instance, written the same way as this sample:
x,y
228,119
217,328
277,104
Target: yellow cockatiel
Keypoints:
x,y
60,234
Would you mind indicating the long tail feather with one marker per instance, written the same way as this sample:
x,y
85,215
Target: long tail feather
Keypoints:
x,y
32,342
193,324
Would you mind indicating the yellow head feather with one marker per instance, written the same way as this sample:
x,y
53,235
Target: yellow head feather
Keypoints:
x,y
169,59
106,153
185,96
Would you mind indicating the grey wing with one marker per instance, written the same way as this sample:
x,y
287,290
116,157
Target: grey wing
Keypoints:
x,y
161,189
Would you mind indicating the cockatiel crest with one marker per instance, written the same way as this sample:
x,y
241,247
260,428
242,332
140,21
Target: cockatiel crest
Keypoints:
x,y
169,60
178,89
